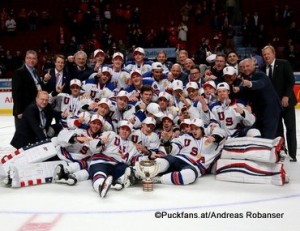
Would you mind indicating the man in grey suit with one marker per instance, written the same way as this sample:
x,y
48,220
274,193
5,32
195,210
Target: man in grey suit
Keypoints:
x,y
281,75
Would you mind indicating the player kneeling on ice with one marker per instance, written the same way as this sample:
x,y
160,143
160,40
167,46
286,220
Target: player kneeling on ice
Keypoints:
x,y
76,148
112,164
190,155
253,160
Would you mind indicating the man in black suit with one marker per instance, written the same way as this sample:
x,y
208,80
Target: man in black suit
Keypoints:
x,y
35,123
281,75
57,77
25,85
261,96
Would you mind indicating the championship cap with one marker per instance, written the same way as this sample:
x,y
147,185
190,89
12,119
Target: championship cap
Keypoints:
x,y
210,83
229,70
149,120
123,93
177,84
135,71
157,66
211,58
169,117
165,95
197,122
96,52
223,85
139,50
106,69
154,109
185,122
193,85
75,82
97,117
104,101
125,123
118,54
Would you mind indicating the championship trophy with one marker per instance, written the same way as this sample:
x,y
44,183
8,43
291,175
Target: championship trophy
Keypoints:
x,y
147,169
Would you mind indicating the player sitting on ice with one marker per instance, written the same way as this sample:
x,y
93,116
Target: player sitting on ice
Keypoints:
x,y
76,148
113,162
190,156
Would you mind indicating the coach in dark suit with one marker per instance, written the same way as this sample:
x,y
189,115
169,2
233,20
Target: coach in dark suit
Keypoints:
x,y
25,85
262,98
57,77
281,75
35,122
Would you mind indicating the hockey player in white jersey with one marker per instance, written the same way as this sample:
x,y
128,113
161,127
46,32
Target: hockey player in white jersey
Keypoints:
x,y
146,140
231,114
76,148
190,156
100,86
112,163
120,77
139,63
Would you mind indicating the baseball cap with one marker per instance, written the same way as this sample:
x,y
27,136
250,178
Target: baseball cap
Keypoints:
x,y
154,109
139,50
165,95
104,101
157,65
169,117
106,69
96,52
123,93
197,122
186,122
125,123
210,83
149,120
223,85
118,54
97,117
193,85
229,70
135,71
177,84
75,82
211,58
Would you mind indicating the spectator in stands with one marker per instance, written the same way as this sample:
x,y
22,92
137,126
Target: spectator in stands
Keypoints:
x,y
11,26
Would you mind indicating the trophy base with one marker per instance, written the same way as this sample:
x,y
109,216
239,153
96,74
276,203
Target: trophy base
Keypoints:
x,y
147,185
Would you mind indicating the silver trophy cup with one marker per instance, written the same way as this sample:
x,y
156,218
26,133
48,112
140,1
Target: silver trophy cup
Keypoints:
x,y
147,169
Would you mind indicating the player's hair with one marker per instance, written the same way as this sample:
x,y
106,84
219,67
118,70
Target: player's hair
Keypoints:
x,y
146,88
59,56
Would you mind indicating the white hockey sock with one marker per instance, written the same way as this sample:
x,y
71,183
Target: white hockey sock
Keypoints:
x,y
183,177
81,175
163,164
72,167
98,179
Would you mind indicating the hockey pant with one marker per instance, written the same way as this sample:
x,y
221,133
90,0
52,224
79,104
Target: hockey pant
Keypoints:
x,y
176,172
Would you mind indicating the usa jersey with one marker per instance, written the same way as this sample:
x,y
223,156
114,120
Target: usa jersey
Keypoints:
x,y
117,115
115,151
151,142
120,78
230,120
77,152
145,67
198,153
96,91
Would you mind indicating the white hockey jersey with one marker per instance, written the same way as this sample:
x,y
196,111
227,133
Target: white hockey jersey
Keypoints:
x,y
151,142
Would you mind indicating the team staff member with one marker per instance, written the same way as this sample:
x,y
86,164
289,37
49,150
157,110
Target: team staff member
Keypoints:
x,y
283,80
25,85
262,98
35,123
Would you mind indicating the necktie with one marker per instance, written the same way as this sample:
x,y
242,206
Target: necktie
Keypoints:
x,y
58,79
270,72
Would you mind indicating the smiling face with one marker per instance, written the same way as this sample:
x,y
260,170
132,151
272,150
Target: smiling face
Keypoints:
x,y
124,132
